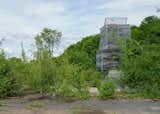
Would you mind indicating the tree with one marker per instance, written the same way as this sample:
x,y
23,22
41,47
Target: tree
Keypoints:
x,y
141,58
10,77
148,31
84,52
42,71
47,40
2,54
1,44
23,52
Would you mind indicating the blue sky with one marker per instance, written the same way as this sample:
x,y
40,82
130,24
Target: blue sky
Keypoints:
x,y
21,20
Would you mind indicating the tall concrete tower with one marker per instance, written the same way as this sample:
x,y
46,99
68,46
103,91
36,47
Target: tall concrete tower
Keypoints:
x,y
108,52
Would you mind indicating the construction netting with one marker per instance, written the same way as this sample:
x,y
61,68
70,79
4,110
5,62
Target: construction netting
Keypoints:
x,y
115,20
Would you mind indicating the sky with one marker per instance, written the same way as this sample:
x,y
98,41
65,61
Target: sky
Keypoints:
x,y
21,20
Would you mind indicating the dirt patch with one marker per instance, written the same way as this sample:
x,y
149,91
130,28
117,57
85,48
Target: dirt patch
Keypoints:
x,y
55,105
88,112
24,111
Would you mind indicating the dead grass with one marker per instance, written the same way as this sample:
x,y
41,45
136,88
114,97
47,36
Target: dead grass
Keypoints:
x,y
3,105
35,105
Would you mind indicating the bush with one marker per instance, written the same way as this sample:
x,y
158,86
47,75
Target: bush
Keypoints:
x,y
70,81
66,89
42,76
9,86
107,89
141,59
92,77
10,83
34,77
83,93
69,90
68,74
142,72
57,76
83,52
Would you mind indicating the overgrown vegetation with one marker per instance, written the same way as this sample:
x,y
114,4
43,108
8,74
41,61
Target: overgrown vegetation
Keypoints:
x,y
141,60
10,80
83,54
72,73
107,89
34,105
55,75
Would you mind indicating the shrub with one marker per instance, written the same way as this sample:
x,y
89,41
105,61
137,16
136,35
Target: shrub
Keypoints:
x,y
141,59
9,86
107,89
73,88
142,72
83,52
83,93
34,76
92,77
66,89
73,84
57,77
42,76
9,81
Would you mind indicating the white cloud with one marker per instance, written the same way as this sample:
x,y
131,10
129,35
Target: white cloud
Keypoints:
x,y
135,10
15,24
9,51
128,4
46,14
44,8
73,18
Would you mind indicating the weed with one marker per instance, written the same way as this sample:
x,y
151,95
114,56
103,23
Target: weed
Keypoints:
x,y
3,105
35,104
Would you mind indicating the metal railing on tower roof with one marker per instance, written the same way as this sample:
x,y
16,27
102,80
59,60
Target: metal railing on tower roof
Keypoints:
x,y
115,20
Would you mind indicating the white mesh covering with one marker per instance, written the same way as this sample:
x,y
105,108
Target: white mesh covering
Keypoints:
x,y
109,53
115,20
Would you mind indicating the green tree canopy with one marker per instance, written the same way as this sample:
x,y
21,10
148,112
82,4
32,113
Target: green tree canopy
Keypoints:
x,y
23,54
47,40
141,60
148,31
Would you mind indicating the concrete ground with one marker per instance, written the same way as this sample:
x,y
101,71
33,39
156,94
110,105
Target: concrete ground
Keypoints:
x,y
28,105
